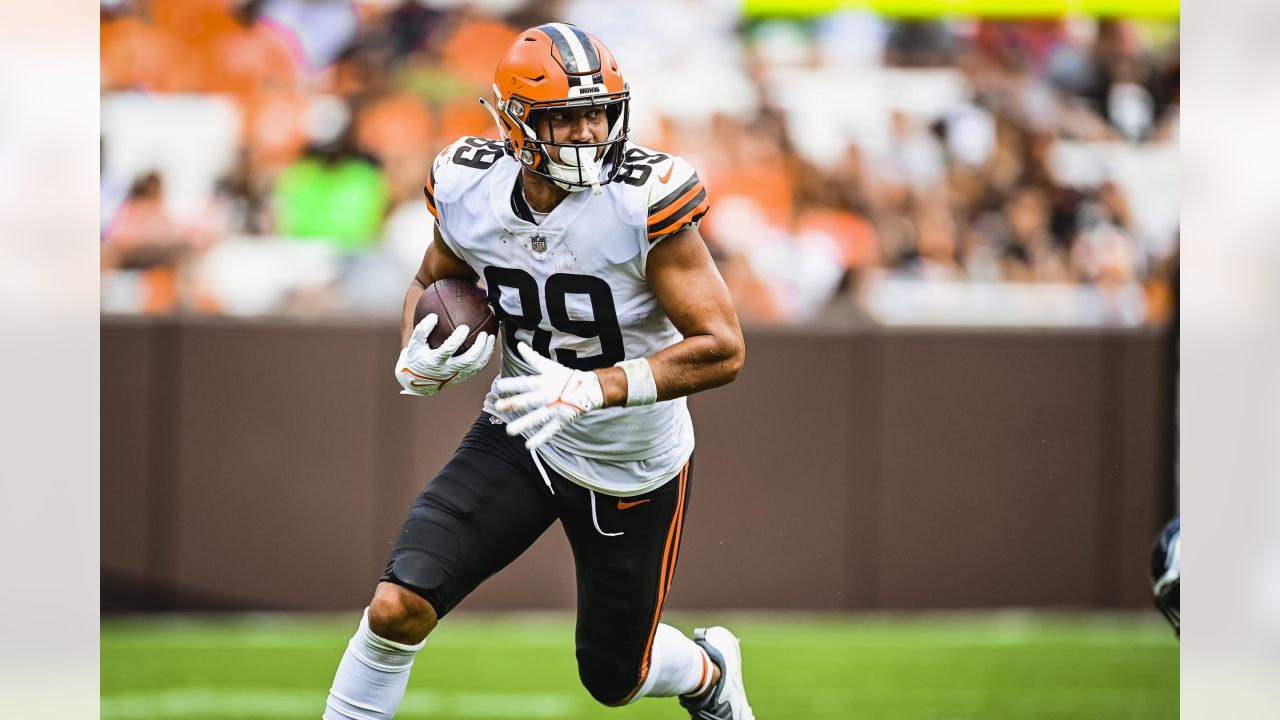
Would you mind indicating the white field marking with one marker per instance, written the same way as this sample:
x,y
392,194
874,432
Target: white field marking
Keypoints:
x,y
265,704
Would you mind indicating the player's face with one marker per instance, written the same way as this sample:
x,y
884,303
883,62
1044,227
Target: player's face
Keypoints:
x,y
575,125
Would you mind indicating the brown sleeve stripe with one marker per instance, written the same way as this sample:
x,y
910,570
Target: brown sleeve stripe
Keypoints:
x,y
692,210
431,204
666,202
429,190
673,208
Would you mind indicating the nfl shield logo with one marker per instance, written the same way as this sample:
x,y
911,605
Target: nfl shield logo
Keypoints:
x,y
538,243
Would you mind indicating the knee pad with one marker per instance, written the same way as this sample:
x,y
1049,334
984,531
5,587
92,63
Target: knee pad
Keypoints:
x,y
427,567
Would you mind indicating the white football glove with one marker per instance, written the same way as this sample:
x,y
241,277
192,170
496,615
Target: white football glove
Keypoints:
x,y
423,371
548,401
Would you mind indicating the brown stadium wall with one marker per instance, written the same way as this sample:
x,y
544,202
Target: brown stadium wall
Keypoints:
x,y
267,465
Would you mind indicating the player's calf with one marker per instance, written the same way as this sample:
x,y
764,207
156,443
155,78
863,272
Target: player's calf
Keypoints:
x,y
374,671
677,667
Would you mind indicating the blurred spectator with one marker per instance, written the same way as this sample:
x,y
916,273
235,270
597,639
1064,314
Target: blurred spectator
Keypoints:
x,y
407,28
475,45
1030,254
333,194
143,234
242,199
137,55
915,156
150,246
317,30
399,130
919,43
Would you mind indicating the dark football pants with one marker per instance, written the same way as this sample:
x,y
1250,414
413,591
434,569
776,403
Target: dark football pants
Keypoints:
x,y
489,504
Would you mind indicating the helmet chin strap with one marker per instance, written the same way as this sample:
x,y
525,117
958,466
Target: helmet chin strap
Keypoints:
x,y
494,113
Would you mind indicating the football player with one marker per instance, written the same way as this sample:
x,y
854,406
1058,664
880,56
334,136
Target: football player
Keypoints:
x,y
1166,573
612,312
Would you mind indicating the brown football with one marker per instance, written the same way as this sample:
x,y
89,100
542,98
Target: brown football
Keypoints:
x,y
455,302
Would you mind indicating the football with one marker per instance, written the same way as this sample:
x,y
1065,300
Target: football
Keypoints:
x,y
455,302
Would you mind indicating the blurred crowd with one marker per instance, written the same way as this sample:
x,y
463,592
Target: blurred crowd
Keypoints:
x,y
269,155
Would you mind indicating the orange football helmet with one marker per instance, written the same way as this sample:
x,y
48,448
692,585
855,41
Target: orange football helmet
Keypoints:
x,y
558,65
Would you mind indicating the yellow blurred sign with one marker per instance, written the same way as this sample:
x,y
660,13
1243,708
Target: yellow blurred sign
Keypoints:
x,y
980,8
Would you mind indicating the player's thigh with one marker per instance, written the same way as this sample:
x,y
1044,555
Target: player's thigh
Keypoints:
x,y
625,557
483,509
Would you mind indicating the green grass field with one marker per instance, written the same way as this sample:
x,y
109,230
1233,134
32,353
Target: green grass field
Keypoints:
x,y
498,667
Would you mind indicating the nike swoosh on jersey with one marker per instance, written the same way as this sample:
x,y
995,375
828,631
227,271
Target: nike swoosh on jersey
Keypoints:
x,y
667,176
623,505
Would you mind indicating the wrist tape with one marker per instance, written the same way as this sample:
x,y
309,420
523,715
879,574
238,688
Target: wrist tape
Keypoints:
x,y
641,387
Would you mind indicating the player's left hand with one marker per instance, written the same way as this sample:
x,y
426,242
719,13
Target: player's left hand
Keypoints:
x,y
548,401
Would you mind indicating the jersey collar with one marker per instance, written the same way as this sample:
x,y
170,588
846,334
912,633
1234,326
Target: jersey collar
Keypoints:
x,y
519,205
512,212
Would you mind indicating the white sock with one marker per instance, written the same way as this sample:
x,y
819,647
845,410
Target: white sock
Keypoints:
x,y
371,678
677,666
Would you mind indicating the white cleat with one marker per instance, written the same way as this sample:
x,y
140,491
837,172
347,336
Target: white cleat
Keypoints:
x,y
727,700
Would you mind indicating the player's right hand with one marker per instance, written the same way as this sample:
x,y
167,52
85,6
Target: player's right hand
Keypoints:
x,y
424,371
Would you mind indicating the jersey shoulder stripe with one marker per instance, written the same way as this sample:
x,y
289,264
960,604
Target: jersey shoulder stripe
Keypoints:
x,y
429,190
677,198
678,210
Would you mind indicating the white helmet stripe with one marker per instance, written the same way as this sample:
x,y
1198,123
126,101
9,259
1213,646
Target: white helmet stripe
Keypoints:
x,y
592,57
581,62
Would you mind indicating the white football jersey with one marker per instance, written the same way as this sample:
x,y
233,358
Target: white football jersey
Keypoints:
x,y
574,288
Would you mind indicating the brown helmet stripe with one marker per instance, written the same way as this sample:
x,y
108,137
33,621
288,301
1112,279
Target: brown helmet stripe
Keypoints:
x,y
567,56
